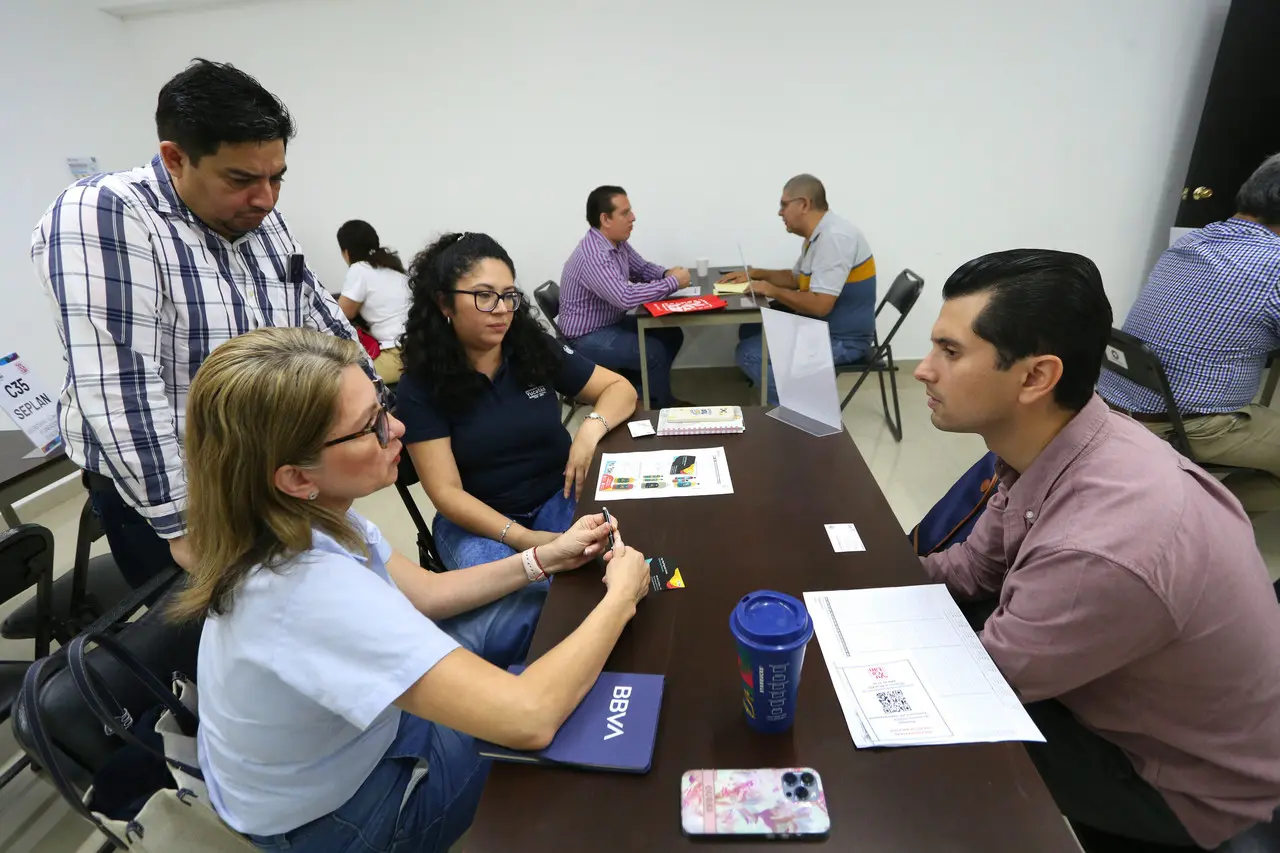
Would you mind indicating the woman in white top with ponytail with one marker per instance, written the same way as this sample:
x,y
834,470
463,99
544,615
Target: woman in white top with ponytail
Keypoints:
x,y
377,290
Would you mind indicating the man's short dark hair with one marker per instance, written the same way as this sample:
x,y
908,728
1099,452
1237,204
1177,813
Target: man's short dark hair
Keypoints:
x,y
1043,302
209,103
1259,196
600,202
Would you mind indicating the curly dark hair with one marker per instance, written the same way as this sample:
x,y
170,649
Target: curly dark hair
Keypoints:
x,y
431,350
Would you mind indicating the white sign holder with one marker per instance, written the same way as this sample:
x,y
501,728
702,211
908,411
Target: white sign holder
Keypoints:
x,y
804,371
28,405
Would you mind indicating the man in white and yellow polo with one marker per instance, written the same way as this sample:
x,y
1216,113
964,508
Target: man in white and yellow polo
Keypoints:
x,y
833,280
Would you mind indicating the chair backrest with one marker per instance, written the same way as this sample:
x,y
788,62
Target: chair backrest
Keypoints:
x,y
407,475
903,293
548,298
1133,359
26,561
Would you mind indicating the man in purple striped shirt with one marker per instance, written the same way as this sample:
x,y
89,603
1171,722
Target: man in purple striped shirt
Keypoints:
x,y
605,278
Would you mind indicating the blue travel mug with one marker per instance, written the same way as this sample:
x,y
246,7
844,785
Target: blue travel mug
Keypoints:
x,y
771,630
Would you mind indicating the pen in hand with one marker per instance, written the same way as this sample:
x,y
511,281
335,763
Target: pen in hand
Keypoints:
x,y
609,521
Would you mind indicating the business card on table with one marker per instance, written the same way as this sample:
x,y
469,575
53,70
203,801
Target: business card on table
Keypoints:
x,y
640,429
844,537
663,574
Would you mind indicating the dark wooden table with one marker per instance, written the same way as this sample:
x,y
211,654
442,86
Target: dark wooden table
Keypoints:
x,y
767,535
20,477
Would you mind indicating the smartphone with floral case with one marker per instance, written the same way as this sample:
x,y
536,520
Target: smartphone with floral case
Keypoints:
x,y
770,802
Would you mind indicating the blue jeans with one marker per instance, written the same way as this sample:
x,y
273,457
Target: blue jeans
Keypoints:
x,y
747,356
385,815
500,631
138,550
617,347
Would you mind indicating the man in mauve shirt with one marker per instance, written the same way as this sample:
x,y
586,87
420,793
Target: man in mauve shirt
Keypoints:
x,y
605,278
1128,605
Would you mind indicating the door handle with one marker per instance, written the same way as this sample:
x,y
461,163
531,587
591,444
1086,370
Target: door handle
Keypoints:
x,y
1201,193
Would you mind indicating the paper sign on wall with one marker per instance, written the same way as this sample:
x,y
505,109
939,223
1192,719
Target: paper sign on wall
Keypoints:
x,y
28,404
83,167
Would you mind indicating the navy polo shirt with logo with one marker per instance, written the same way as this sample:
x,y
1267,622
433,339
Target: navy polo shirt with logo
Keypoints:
x,y
510,445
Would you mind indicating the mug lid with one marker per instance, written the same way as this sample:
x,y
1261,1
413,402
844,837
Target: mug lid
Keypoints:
x,y
771,618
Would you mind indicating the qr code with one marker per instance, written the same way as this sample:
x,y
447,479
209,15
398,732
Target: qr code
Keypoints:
x,y
893,702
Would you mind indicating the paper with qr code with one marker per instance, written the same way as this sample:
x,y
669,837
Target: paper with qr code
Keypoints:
x,y
908,670
894,703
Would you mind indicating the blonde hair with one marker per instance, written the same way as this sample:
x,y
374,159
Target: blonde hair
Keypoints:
x,y
260,401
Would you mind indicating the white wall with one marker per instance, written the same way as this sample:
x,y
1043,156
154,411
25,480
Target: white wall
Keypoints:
x,y
68,90
944,129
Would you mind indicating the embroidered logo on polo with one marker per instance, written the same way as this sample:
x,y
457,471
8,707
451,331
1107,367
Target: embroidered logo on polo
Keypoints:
x,y
535,392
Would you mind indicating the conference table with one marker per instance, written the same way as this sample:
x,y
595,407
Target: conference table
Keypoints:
x,y
740,310
21,474
767,535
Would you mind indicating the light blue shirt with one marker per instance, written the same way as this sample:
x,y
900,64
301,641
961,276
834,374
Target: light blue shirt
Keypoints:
x,y
836,260
297,681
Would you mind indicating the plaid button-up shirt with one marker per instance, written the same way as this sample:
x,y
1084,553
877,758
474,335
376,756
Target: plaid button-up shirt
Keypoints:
x,y
143,291
1211,312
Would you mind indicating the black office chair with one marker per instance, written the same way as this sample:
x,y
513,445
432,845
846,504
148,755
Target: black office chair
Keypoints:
x,y
428,558
547,296
26,561
92,587
1133,359
902,295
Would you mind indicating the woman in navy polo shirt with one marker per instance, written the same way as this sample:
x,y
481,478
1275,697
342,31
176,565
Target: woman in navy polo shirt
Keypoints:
x,y
479,405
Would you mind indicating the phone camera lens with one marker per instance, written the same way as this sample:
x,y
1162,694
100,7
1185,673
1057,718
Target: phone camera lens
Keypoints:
x,y
802,793
788,779
807,779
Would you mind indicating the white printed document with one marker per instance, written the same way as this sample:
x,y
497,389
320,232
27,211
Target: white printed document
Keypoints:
x,y
663,474
908,670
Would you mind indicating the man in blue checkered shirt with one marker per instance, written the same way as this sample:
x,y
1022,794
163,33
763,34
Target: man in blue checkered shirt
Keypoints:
x,y
1211,312
151,269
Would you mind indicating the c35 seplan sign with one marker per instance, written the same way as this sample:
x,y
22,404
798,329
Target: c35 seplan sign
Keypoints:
x,y
28,404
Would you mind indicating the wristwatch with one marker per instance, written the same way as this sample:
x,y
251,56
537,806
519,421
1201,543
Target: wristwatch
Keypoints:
x,y
596,416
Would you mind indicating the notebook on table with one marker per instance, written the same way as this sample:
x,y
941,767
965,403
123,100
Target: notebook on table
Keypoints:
x,y
685,306
700,420
614,728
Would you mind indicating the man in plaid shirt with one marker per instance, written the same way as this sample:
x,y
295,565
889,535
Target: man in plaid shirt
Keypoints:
x,y
1211,312
151,269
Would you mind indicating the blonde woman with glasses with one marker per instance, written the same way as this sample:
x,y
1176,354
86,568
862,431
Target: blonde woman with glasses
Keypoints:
x,y
336,714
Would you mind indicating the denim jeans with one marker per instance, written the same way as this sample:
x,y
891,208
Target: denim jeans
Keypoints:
x,y
747,356
499,631
419,798
138,550
617,347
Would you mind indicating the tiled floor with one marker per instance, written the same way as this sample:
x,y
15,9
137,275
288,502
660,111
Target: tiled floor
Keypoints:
x,y
912,474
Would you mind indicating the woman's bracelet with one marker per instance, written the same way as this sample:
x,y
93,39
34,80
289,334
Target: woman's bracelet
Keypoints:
x,y
532,565
502,540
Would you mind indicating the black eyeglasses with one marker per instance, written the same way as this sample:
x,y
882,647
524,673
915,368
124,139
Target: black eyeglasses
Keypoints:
x,y
380,427
487,300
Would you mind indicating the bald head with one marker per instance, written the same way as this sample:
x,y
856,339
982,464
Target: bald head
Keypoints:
x,y
807,186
